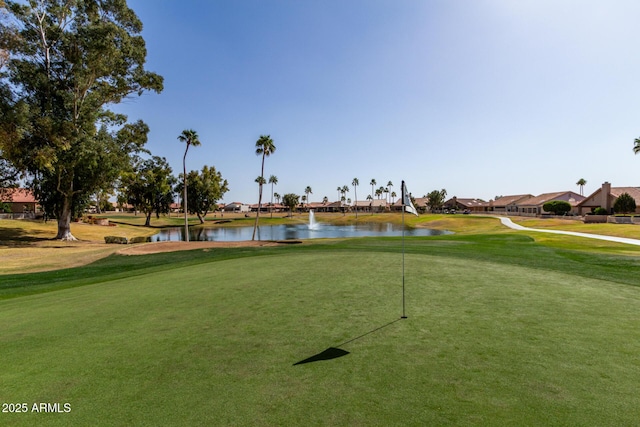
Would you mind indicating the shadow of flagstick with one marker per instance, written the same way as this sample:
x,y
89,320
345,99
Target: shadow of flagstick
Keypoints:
x,y
336,352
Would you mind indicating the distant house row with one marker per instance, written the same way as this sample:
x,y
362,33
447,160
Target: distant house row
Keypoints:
x,y
530,205
520,204
21,201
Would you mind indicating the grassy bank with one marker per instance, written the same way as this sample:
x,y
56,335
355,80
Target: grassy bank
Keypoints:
x,y
28,245
502,330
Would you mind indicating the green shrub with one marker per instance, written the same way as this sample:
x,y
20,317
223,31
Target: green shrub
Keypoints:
x,y
116,239
600,211
557,207
624,204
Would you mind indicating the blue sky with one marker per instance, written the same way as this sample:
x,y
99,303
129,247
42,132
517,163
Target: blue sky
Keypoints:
x,y
481,98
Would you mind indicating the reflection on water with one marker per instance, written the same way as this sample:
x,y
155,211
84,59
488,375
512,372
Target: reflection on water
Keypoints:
x,y
292,232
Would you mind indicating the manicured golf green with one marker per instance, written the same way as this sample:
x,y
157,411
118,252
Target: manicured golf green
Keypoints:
x,y
501,330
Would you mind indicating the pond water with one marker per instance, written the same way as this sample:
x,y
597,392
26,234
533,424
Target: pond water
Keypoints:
x,y
292,232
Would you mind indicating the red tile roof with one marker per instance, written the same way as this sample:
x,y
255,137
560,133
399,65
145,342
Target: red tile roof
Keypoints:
x,y
18,195
509,200
632,191
546,197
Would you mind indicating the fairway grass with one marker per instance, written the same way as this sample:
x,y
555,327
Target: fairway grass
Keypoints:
x,y
501,330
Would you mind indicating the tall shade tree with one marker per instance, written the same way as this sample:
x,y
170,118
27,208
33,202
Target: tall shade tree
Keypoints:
x,y
291,200
264,148
581,183
8,174
436,199
204,191
273,180
66,63
189,137
148,186
355,184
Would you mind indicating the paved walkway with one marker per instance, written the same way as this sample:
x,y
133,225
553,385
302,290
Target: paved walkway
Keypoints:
x,y
511,224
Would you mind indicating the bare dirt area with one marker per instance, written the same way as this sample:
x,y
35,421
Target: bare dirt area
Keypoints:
x,y
158,247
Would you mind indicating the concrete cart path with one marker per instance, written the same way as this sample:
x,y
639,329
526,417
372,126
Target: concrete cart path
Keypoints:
x,y
511,224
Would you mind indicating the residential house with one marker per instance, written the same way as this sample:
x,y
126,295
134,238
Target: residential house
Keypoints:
x,y
19,200
237,207
533,206
319,206
377,205
605,197
175,207
506,204
471,205
420,204
118,207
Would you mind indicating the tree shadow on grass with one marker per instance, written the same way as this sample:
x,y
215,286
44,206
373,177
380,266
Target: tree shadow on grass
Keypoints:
x,y
336,352
19,237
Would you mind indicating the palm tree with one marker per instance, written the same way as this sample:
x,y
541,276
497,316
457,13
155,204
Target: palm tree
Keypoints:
x,y
636,146
581,183
393,197
308,191
272,180
339,189
264,148
389,185
277,197
372,183
325,200
191,138
344,190
355,183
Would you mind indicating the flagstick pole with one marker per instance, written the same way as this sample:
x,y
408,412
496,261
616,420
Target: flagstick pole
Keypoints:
x,y
404,316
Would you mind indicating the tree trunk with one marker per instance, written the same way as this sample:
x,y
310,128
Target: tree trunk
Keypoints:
x,y
147,222
64,222
200,217
184,194
255,226
355,193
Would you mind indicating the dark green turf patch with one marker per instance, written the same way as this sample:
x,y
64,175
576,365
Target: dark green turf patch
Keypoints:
x,y
509,249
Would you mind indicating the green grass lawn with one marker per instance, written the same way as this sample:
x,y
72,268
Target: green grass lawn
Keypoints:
x,y
502,330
